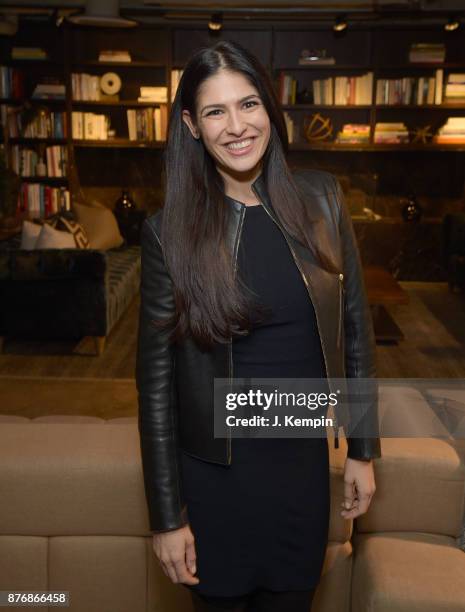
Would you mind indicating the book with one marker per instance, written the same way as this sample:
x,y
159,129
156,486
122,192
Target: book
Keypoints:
x,y
112,55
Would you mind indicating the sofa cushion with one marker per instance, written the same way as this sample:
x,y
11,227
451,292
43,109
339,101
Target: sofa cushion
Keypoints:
x,y
419,487
407,572
50,238
29,234
100,226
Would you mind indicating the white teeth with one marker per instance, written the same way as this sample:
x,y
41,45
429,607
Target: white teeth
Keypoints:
x,y
239,145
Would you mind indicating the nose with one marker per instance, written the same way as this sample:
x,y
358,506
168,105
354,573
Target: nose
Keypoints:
x,y
236,125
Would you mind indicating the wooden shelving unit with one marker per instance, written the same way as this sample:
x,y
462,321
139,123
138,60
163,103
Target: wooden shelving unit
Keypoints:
x,y
157,49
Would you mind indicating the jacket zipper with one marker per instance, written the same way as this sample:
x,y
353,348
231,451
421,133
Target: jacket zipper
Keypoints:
x,y
341,308
335,424
241,222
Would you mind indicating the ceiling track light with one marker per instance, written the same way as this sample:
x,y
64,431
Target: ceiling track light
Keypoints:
x,y
216,22
340,24
452,24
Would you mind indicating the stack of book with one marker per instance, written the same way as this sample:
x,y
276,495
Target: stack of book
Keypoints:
x,y
354,133
148,123
85,86
24,161
176,75
49,91
89,126
42,200
427,53
111,55
44,125
343,90
452,132
11,82
29,53
454,92
153,94
391,133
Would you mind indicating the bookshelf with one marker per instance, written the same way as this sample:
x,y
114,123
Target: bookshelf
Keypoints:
x,y
157,49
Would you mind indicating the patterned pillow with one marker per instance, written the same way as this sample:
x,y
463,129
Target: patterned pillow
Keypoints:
x,y
65,222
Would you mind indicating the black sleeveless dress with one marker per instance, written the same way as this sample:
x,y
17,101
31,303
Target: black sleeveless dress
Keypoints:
x,y
263,520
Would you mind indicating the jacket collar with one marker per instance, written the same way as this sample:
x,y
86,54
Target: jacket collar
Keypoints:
x,y
260,190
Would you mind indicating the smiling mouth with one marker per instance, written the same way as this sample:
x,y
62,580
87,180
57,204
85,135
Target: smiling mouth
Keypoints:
x,y
239,145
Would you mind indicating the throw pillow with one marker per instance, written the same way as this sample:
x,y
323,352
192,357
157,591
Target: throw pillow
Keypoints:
x,y
65,222
50,238
29,234
100,226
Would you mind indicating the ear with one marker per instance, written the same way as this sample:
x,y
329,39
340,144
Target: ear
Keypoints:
x,y
186,116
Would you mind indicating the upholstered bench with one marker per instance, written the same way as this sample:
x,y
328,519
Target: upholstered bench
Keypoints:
x,y
66,293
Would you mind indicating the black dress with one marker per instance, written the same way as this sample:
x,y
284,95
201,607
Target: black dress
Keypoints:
x,y
263,520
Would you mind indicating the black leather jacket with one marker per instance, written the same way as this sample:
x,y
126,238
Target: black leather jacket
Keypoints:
x,y
175,381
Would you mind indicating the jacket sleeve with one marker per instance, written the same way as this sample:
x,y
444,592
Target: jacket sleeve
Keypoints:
x,y
157,418
360,346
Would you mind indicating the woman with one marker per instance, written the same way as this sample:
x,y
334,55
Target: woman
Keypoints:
x,y
249,271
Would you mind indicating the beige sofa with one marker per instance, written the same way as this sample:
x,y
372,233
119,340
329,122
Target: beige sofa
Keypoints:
x,y
73,517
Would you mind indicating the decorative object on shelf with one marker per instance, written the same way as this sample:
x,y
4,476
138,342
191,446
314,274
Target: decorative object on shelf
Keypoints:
x,y
110,84
124,204
421,135
305,96
411,210
315,56
128,217
317,127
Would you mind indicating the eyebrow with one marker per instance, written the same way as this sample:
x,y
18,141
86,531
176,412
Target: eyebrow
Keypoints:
x,y
222,105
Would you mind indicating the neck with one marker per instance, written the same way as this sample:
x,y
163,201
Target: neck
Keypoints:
x,y
239,185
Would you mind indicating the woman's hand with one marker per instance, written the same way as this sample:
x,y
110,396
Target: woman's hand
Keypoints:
x,y
359,487
176,552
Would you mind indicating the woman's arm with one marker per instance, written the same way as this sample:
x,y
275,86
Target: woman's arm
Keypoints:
x,y
156,392
360,346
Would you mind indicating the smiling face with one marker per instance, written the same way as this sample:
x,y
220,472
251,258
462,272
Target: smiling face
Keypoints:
x,y
232,123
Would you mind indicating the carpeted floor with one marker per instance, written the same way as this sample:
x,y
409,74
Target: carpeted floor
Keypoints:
x,y
33,396
434,346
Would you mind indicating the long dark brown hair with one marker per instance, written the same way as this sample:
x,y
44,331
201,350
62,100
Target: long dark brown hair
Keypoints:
x,y
210,304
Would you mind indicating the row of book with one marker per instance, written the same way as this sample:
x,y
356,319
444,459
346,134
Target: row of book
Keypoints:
x,y
143,124
85,87
89,126
40,200
11,82
411,90
343,90
45,124
422,90
25,161
148,123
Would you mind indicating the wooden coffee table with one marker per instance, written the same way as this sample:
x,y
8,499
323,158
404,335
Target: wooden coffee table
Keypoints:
x,y
383,290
